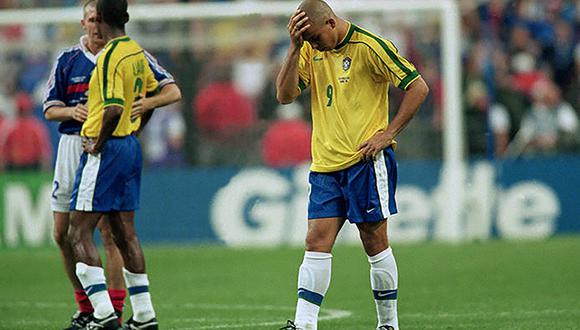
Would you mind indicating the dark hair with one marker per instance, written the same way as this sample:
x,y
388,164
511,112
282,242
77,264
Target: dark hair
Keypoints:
x,y
113,12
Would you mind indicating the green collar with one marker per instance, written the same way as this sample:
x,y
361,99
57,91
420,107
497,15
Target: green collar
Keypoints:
x,y
347,37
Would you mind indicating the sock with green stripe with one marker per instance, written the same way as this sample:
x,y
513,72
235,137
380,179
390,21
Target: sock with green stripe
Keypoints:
x,y
384,280
313,282
93,280
138,287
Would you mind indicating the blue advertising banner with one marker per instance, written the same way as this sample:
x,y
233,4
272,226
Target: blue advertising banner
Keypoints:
x,y
523,199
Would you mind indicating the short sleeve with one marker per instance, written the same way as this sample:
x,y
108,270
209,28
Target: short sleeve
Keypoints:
x,y
162,76
386,61
55,94
304,66
152,82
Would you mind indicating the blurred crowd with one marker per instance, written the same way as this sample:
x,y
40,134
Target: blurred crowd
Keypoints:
x,y
521,86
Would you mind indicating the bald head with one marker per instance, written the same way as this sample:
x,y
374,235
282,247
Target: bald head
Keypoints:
x,y
317,11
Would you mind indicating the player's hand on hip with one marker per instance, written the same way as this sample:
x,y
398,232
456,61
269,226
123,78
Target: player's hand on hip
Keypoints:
x,y
296,26
80,112
375,144
140,107
89,146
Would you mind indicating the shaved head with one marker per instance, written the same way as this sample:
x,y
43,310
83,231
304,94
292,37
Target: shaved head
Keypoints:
x,y
317,11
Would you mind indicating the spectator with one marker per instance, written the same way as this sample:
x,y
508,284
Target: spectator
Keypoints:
x,y
550,126
477,103
225,119
526,74
164,138
560,55
287,140
25,140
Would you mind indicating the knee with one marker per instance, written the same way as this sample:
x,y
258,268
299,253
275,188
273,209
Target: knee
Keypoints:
x,y
74,235
109,241
317,242
124,240
60,236
374,242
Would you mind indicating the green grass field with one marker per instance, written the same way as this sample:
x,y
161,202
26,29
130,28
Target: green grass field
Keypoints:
x,y
492,285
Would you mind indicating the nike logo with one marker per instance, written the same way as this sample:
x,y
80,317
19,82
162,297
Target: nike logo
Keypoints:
x,y
385,294
370,210
317,58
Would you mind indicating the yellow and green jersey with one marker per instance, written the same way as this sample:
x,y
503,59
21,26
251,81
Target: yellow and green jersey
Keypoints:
x,y
349,89
121,76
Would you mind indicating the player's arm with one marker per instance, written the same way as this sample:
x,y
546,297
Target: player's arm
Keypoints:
x,y
55,108
62,113
144,107
111,117
288,78
414,96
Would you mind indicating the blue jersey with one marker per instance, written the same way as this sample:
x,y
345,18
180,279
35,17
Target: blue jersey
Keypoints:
x,y
68,84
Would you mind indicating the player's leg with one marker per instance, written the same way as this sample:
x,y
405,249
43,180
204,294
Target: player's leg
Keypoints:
x,y
384,276
60,234
94,193
88,267
67,161
315,271
113,267
326,214
136,279
372,201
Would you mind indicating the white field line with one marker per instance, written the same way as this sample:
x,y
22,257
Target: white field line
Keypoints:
x,y
326,314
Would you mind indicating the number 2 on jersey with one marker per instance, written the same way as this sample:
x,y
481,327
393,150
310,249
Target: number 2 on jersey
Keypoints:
x,y
329,95
138,88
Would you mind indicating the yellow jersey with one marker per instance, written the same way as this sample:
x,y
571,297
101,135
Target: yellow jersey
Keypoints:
x,y
121,76
349,90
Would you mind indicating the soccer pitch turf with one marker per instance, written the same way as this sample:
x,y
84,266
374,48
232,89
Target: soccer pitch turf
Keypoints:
x,y
489,285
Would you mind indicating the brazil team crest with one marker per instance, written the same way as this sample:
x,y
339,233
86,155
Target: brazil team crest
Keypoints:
x,y
346,63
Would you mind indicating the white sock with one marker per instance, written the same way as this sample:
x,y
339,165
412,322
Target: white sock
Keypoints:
x,y
313,282
384,281
94,282
138,287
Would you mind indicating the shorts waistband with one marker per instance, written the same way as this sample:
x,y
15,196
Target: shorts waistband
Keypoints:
x,y
111,137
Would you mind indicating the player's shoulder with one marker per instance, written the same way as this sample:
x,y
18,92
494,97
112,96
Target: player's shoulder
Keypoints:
x,y
373,40
121,47
118,50
66,55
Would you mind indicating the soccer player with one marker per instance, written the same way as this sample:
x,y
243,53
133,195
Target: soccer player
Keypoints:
x,y
109,174
65,102
353,173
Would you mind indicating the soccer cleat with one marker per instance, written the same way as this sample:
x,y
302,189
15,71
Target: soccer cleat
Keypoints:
x,y
107,323
290,326
385,327
119,317
79,321
147,325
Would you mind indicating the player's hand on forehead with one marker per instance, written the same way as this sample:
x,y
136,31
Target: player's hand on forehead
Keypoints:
x,y
297,25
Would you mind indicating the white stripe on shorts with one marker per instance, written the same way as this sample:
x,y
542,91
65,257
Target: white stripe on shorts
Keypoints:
x,y
88,183
382,181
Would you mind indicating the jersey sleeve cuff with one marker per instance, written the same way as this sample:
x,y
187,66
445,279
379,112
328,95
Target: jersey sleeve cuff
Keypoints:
x,y
408,80
165,82
301,85
49,104
110,102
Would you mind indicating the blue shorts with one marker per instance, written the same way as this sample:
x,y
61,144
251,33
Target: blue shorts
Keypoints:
x,y
109,181
364,192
